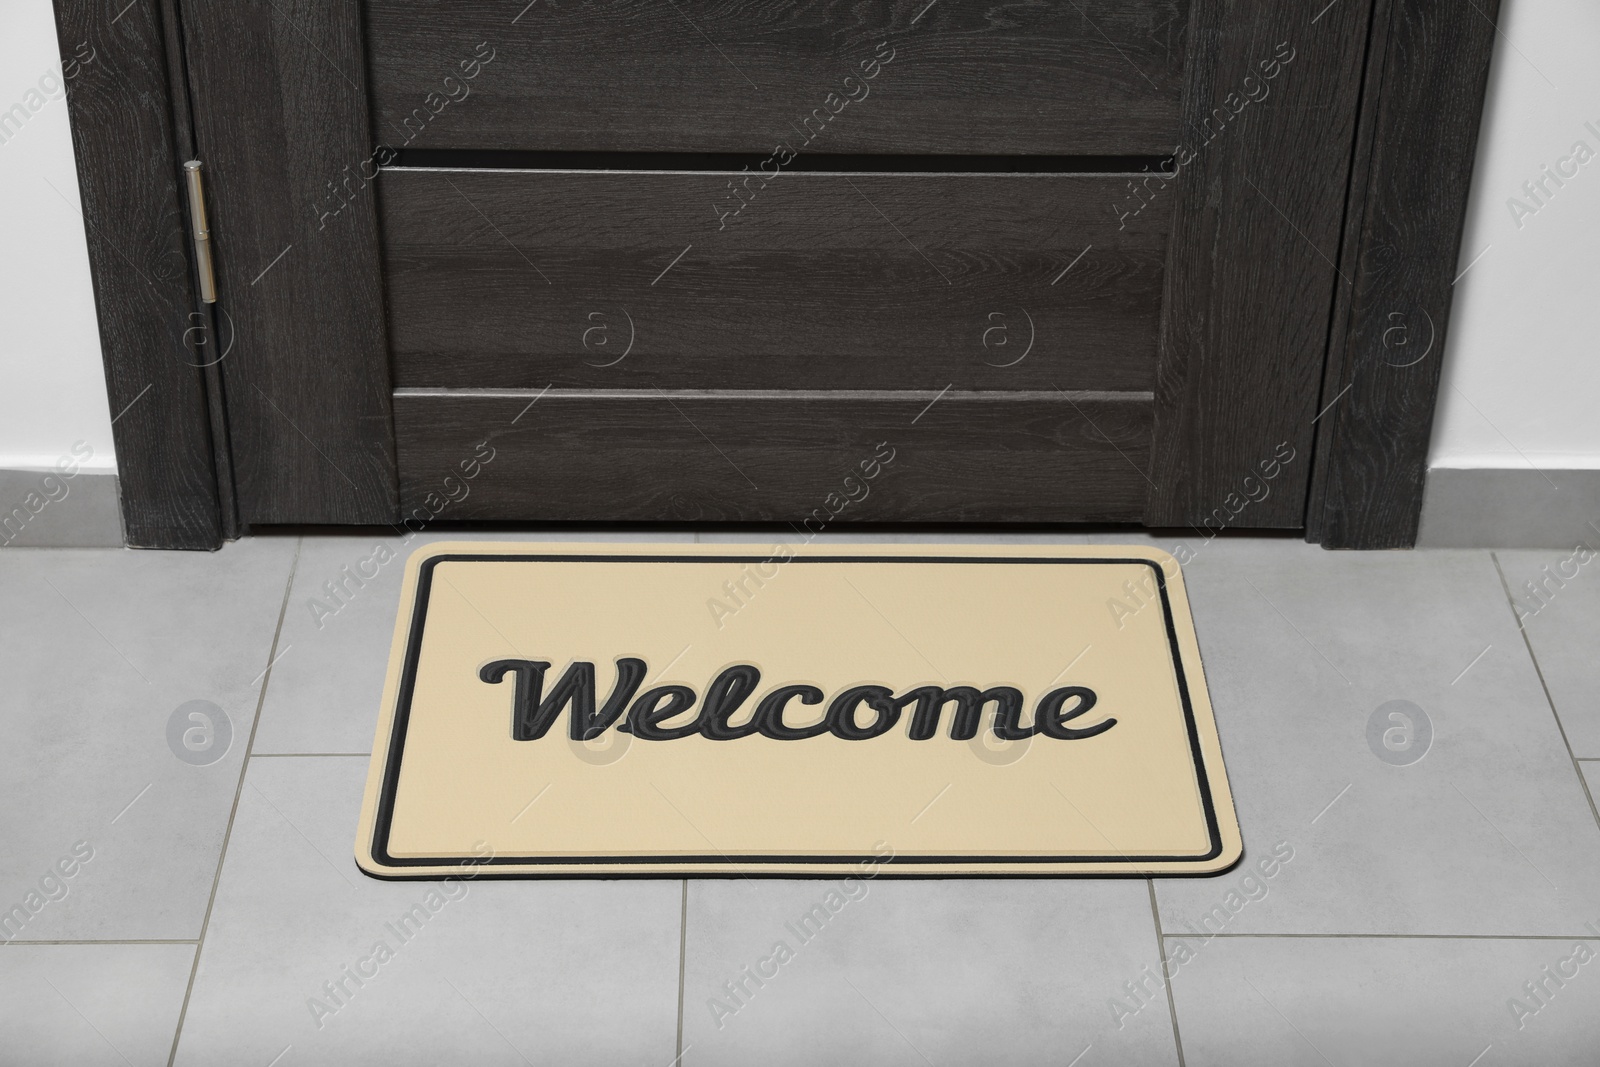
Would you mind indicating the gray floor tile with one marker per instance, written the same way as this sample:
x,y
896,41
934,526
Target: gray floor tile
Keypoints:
x,y
920,972
91,1005
1333,1002
1591,774
1562,617
336,633
1489,833
506,972
98,649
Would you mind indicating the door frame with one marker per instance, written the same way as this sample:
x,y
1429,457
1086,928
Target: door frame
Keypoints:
x,y
1425,74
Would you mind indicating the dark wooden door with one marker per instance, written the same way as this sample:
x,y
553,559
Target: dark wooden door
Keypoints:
x,y
746,260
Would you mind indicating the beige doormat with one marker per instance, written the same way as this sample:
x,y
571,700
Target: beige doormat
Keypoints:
x,y
694,709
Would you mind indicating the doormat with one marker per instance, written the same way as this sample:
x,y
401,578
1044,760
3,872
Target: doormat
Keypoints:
x,y
660,710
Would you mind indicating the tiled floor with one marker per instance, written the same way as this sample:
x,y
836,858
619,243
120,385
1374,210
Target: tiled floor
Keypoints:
x,y
1441,911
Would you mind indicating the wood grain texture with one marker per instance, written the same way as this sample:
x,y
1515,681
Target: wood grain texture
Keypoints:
x,y
122,132
281,124
1086,77
1404,251
773,456
1333,369
602,280
204,338
1255,228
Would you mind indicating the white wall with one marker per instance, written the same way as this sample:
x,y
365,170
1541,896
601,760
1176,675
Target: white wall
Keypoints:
x,y
52,386
1521,377
1522,369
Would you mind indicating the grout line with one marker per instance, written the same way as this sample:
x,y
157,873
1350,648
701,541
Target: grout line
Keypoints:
x,y
302,755
238,791
683,942
110,941
1528,644
1166,975
1407,937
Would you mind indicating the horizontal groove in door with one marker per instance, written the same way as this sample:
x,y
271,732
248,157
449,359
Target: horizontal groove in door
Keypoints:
x,y
601,280
734,163
736,395
1094,77
960,457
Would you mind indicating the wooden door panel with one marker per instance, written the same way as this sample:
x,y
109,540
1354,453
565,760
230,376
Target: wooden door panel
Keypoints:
x,y
773,456
1162,332
299,300
1255,234
132,211
523,279
1095,77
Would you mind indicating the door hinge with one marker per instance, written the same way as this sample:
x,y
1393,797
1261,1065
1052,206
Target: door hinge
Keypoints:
x,y
202,234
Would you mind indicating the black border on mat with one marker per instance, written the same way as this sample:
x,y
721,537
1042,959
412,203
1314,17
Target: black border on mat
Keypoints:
x,y
419,611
